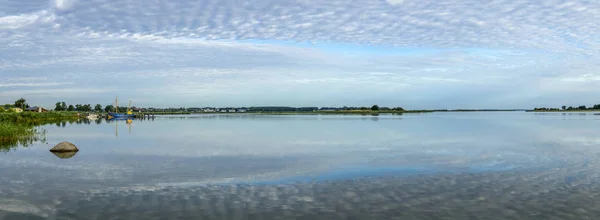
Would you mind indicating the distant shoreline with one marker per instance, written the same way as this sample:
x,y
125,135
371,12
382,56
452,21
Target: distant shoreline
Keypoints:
x,y
564,111
354,112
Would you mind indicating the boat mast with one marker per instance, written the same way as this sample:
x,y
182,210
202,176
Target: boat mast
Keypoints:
x,y
117,104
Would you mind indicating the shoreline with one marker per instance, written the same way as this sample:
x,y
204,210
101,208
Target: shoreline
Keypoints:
x,y
352,112
565,111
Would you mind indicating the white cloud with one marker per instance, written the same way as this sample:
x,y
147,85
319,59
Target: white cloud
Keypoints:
x,y
64,4
55,93
34,84
23,20
493,49
394,2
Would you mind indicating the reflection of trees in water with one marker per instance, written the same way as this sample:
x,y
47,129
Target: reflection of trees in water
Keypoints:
x,y
80,121
31,136
30,133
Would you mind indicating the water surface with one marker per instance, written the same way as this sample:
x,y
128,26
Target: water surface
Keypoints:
x,y
244,166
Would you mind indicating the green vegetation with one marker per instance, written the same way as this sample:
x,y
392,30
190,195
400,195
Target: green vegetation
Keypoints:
x,y
19,129
21,103
35,117
570,108
13,135
62,106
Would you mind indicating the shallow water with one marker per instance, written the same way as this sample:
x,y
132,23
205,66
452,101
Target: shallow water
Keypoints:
x,y
478,165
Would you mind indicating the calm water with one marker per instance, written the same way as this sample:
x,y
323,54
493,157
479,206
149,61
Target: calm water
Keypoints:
x,y
481,165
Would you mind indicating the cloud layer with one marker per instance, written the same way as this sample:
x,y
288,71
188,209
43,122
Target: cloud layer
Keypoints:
x,y
418,54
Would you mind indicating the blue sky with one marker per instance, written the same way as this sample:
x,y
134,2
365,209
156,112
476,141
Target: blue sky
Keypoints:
x,y
411,53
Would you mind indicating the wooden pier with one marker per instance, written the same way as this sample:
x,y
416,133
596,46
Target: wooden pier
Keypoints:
x,y
144,115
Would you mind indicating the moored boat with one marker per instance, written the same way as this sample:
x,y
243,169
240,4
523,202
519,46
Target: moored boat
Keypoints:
x,y
116,114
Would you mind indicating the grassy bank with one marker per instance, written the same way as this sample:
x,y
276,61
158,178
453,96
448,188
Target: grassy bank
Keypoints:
x,y
35,117
19,129
13,135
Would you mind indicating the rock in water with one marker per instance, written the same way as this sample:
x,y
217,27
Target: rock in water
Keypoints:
x,y
64,147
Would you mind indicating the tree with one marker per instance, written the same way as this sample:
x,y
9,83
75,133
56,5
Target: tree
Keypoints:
x,y
98,108
21,103
63,105
564,107
109,108
58,107
2,109
71,108
582,107
87,107
375,108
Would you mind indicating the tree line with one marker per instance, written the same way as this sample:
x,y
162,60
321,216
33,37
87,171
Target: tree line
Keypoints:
x,y
62,106
565,108
20,103
310,109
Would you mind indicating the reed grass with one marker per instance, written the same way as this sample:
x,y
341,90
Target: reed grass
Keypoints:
x,y
19,129
13,135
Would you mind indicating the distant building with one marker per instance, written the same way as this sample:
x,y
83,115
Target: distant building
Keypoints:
x,y
17,110
231,110
36,109
241,110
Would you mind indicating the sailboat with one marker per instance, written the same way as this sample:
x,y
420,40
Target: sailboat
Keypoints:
x,y
116,114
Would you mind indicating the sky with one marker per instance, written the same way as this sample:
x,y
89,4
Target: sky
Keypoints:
x,y
417,54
